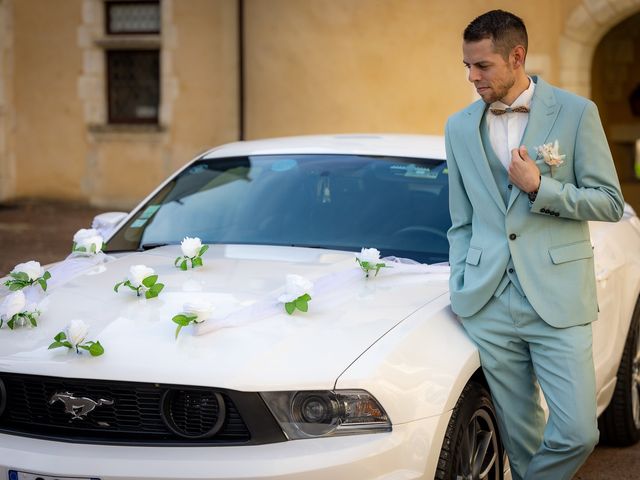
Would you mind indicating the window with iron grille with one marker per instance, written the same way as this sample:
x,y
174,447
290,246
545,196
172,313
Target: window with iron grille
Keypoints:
x,y
132,17
134,85
132,56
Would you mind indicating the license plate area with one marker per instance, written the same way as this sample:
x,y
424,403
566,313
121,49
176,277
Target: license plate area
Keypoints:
x,y
15,475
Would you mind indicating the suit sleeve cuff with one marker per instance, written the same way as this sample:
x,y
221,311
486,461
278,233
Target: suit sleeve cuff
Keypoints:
x,y
548,191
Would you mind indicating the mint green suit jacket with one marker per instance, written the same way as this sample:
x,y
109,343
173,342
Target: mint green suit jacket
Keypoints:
x,y
548,240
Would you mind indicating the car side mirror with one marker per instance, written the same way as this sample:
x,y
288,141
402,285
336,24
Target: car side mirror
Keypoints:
x,y
106,223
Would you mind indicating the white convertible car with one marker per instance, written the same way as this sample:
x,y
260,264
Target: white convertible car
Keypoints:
x,y
377,380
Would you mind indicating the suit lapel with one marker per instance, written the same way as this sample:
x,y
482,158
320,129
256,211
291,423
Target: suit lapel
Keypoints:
x,y
474,144
543,115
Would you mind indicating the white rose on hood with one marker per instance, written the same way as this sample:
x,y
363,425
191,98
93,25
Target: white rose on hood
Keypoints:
x,y
296,287
190,246
32,269
86,237
76,332
137,273
200,308
14,303
371,255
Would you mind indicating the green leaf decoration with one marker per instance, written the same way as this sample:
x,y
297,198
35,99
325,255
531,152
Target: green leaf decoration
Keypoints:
x,y
177,260
43,283
46,275
154,290
290,307
183,265
182,319
203,249
11,323
33,321
150,280
117,286
196,262
16,286
306,297
55,345
60,337
23,277
178,328
93,248
95,349
79,249
301,304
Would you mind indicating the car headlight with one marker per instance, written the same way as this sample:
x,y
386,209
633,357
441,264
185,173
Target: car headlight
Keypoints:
x,y
319,413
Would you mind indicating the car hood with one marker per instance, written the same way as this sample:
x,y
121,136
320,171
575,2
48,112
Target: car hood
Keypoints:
x,y
302,351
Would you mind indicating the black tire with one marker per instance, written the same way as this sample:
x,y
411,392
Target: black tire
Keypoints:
x,y
472,433
619,424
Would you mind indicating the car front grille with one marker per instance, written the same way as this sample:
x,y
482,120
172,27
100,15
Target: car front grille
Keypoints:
x,y
114,412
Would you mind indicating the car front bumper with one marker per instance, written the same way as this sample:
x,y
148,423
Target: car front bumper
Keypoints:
x,y
410,451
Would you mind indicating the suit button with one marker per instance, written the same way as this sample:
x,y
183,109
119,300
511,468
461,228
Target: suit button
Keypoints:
x,y
511,270
557,214
512,236
543,210
509,186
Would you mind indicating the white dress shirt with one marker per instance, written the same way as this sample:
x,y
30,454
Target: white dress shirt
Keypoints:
x,y
505,131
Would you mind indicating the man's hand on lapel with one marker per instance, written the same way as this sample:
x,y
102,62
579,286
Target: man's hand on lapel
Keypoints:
x,y
523,171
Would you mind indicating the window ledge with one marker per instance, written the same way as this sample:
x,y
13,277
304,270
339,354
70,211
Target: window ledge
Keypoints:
x,y
120,132
130,41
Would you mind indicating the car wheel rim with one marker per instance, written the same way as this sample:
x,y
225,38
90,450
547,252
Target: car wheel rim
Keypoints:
x,y
478,456
635,384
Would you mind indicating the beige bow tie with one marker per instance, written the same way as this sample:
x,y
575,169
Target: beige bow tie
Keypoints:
x,y
500,111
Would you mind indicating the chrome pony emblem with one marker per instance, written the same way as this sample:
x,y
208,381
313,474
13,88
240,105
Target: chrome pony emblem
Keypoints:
x,y
78,407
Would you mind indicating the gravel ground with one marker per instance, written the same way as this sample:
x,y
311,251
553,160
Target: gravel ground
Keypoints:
x,y
43,231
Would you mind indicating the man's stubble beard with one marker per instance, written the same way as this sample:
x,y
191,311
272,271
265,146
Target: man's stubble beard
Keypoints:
x,y
501,90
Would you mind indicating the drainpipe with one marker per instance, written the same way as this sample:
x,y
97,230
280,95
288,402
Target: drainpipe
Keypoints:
x,y
241,79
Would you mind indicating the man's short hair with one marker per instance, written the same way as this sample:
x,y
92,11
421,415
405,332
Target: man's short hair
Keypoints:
x,y
505,29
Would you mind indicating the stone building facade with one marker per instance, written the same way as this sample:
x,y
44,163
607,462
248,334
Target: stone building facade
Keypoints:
x,y
232,69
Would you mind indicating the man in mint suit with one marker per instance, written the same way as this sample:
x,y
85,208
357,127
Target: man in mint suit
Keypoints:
x,y
529,165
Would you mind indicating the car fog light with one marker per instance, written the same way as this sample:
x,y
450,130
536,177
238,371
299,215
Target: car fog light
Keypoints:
x,y
308,414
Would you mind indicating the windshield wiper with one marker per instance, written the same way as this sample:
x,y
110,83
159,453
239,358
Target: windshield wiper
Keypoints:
x,y
150,245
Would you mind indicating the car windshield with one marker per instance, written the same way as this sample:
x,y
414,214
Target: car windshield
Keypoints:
x,y
344,202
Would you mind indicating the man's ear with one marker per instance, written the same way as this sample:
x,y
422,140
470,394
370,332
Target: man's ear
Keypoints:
x,y
518,55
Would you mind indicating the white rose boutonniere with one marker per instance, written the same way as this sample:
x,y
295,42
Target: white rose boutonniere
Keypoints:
x,y
297,294
550,152
74,338
369,259
192,250
15,311
26,274
192,312
141,279
88,241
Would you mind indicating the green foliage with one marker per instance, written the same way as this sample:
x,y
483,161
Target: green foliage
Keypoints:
x,y
20,280
60,340
95,349
183,319
301,303
154,291
368,267
150,281
183,262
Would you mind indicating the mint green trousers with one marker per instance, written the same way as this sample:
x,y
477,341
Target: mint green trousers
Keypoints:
x,y
517,348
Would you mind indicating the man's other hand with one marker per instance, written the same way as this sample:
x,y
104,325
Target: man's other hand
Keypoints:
x,y
523,171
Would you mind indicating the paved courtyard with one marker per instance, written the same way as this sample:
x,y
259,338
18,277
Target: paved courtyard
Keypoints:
x,y
43,231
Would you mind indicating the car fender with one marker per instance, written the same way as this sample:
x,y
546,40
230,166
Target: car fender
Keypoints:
x,y
419,368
